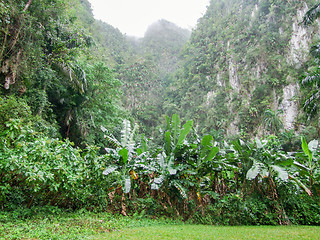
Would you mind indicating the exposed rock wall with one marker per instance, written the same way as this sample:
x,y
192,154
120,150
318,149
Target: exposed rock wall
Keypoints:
x,y
301,40
290,105
247,57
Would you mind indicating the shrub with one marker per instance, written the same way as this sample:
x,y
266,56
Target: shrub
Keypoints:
x,y
38,170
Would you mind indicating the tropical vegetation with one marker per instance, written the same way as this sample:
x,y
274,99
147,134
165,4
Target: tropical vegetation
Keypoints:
x,y
172,126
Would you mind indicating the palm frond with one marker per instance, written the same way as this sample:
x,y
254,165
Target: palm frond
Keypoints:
x,y
157,182
315,50
311,79
301,185
78,77
311,103
110,138
109,170
127,134
311,15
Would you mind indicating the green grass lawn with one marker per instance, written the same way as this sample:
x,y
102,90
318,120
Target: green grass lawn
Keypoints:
x,y
44,225
214,232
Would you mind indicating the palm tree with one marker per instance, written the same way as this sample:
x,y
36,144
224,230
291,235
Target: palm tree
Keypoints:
x,y
272,121
312,100
312,80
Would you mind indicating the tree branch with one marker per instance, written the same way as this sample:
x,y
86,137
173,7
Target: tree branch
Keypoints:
x,y
27,5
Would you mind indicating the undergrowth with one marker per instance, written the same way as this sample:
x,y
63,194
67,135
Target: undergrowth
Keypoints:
x,y
54,223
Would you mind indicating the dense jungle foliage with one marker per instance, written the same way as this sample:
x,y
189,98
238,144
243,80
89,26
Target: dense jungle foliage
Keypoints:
x,y
89,117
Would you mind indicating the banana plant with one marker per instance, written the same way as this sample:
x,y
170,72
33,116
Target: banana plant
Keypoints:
x,y
308,162
261,159
269,166
268,162
175,136
124,155
238,154
168,170
169,175
205,164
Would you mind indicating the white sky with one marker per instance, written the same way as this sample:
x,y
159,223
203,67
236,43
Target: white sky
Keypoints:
x,y
132,17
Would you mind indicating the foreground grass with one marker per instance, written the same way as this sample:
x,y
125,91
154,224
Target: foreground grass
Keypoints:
x,y
213,232
31,224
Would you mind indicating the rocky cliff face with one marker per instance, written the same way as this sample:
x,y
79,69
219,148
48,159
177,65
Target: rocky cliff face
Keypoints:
x,y
289,105
245,57
300,40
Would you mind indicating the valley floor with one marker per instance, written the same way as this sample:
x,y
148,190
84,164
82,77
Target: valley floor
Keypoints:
x,y
216,232
25,224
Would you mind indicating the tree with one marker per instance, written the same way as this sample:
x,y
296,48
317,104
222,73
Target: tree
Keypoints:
x,y
271,120
312,80
44,56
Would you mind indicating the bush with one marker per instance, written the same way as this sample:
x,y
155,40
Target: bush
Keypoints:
x,y
38,170
16,108
13,108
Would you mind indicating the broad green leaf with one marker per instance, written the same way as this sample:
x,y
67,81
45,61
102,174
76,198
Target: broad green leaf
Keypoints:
x,y
109,170
212,154
286,162
259,143
127,184
206,144
131,141
171,170
161,158
139,151
282,173
300,184
157,182
144,144
185,131
168,123
126,133
313,145
124,154
254,170
305,148
110,150
112,140
207,141
181,189
167,143
175,124
301,166
237,145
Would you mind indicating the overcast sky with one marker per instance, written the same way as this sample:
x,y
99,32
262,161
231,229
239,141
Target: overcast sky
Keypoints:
x,y
132,17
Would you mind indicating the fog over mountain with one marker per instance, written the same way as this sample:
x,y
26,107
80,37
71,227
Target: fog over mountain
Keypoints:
x,y
134,17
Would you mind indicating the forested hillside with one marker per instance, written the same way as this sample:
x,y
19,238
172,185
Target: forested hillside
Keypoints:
x,y
48,59
146,80
241,67
90,117
244,63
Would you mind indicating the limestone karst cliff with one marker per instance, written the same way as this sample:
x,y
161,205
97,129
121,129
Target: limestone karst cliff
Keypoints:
x,y
245,57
